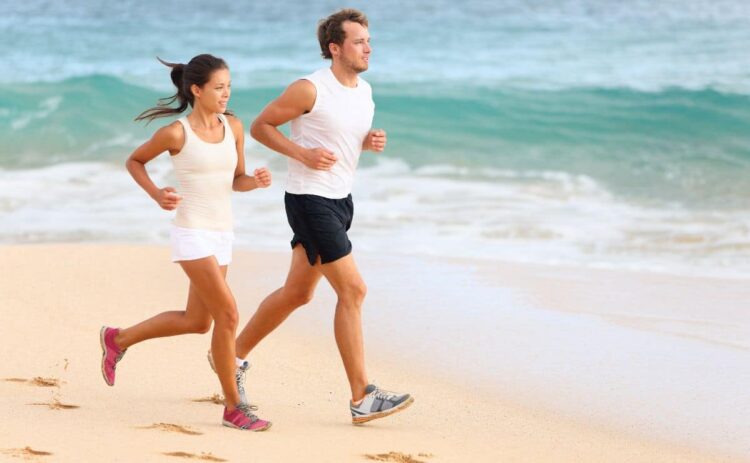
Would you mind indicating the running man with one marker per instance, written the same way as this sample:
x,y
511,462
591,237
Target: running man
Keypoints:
x,y
331,113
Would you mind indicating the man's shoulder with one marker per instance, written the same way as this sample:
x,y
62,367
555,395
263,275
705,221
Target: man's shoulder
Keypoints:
x,y
317,75
364,83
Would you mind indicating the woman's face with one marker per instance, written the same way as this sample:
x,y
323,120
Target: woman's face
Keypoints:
x,y
214,95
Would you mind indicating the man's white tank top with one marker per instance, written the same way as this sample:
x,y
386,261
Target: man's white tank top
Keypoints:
x,y
205,173
339,122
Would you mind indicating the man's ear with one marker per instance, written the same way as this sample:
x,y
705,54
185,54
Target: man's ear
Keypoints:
x,y
334,48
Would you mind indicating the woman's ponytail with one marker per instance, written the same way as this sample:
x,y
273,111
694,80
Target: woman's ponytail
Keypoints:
x,y
184,76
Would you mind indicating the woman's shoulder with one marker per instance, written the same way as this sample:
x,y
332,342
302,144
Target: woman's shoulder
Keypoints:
x,y
235,123
171,135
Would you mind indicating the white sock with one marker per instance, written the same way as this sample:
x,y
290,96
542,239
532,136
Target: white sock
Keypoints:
x,y
239,361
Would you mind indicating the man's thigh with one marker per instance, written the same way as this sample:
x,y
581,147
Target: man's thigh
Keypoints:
x,y
342,273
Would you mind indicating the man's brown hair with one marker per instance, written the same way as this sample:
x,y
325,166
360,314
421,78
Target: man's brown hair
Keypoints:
x,y
330,29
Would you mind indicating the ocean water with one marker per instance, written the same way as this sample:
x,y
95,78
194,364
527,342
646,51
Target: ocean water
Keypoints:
x,y
597,133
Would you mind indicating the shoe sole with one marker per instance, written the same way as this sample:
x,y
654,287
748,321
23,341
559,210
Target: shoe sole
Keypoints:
x,y
375,416
230,425
104,355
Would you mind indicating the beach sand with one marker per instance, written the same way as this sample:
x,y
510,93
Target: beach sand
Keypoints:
x,y
56,406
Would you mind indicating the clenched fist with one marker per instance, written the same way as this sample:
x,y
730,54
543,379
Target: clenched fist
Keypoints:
x,y
262,177
167,198
319,159
375,141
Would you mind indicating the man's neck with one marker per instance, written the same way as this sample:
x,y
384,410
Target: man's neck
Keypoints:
x,y
345,76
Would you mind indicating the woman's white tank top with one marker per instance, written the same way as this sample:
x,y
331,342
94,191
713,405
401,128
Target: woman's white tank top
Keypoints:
x,y
205,173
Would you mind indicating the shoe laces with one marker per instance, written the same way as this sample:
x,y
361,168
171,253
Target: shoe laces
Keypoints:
x,y
246,410
240,375
385,395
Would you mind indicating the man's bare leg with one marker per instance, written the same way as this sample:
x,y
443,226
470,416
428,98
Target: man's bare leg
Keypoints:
x,y
297,291
368,401
350,288
276,307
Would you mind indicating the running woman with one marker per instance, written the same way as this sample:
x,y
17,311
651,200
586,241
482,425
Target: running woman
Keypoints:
x,y
206,148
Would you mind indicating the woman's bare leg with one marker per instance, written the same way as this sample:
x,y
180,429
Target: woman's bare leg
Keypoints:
x,y
196,318
208,282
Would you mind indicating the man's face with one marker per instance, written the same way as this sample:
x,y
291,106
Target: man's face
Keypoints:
x,y
355,51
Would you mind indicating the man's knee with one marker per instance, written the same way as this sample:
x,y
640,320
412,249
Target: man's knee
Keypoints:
x,y
353,292
298,297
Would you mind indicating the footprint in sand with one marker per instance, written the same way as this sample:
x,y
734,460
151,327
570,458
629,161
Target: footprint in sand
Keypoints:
x,y
37,381
26,453
169,427
16,380
192,456
397,457
214,399
45,382
55,404
219,400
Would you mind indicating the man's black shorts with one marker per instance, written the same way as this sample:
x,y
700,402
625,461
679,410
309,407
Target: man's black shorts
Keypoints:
x,y
320,225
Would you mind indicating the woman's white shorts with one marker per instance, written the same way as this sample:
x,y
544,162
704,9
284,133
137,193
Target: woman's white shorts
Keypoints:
x,y
195,243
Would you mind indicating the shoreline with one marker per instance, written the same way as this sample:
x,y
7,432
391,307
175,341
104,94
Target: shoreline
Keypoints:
x,y
630,342
67,291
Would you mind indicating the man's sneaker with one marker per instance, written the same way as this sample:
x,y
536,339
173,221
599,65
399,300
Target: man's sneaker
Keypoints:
x,y
243,418
111,354
239,376
378,403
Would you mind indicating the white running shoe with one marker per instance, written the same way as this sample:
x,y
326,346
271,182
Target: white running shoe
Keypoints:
x,y
239,376
378,403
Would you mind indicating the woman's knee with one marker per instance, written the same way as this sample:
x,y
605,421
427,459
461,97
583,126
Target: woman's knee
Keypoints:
x,y
226,316
202,326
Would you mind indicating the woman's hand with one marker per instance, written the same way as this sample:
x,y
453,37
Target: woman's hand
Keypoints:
x,y
262,177
167,198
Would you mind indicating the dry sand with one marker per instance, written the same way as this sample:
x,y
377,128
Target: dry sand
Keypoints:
x,y
54,298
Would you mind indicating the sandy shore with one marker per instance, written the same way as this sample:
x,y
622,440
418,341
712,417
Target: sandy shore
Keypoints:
x,y
54,298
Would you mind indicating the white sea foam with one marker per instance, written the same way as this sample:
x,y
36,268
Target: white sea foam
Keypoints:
x,y
543,217
46,107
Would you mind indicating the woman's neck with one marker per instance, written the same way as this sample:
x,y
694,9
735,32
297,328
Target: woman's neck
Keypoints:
x,y
202,118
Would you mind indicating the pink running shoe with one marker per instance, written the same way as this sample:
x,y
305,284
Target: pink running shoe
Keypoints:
x,y
111,354
242,418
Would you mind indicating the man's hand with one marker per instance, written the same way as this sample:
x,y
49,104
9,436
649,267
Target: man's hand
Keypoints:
x,y
375,141
262,177
318,159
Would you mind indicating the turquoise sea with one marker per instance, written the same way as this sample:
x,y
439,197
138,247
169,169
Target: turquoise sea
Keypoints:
x,y
569,133
597,133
